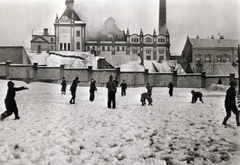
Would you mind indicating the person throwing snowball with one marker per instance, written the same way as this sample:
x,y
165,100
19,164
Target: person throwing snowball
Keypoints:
x,y
10,103
230,103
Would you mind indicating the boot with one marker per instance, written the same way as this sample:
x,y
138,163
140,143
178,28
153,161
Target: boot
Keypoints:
x,y
17,118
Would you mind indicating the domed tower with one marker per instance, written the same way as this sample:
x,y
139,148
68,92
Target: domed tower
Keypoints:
x,y
69,30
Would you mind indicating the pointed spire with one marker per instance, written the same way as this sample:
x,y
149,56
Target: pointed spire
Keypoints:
x,y
56,20
167,33
128,32
154,33
141,32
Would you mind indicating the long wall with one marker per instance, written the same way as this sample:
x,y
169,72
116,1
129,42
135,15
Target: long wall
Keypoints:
x,y
30,73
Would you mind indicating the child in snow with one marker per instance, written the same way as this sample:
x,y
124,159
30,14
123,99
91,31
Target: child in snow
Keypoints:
x,y
195,96
64,85
92,90
124,88
73,89
111,93
147,95
230,103
10,102
170,86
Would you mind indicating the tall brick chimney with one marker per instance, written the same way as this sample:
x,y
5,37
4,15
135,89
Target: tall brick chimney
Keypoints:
x,y
162,29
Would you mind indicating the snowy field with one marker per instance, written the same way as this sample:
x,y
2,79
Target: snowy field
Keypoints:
x,y
171,132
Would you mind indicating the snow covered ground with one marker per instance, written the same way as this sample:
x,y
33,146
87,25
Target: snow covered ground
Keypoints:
x,y
171,132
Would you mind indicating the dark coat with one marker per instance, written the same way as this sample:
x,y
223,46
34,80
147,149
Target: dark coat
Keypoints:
x,y
111,86
93,87
196,95
230,96
74,85
11,94
123,85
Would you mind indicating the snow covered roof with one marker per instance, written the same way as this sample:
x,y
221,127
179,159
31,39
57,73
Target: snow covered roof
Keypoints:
x,y
40,32
213,42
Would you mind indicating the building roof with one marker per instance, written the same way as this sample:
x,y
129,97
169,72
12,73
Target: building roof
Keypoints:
x,y
41,32
212,43
68,13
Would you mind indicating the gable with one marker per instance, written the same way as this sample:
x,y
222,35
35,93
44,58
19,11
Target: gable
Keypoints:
x,y
39,39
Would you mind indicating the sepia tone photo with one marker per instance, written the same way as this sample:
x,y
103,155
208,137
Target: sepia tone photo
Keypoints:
x,y
119,82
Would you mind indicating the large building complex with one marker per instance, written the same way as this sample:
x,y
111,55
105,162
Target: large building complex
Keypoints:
x,y
215,56
70,35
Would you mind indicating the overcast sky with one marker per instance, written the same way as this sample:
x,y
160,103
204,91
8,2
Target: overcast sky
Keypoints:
x,y
184,18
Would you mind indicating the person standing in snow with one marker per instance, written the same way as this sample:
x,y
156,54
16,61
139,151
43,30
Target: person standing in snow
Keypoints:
x,y
195,96
73,89
170,86
230,103
10,103
124,88
147,95
92,90
64,85
111,93
219,81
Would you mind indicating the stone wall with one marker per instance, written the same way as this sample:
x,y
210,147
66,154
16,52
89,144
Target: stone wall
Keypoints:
x,y
29,73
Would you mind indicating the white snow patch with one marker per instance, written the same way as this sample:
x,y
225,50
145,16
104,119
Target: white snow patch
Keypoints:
x,y
172,131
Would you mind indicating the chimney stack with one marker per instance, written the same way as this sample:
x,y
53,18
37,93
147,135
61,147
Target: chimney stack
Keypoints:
x,y
162,17
45,31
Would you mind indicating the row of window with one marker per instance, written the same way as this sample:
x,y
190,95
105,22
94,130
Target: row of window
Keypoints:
x,y
219,60
118,48
67,46
148,57
147,40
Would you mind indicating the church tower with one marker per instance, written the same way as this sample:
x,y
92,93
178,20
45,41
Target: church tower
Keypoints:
x,y
69,30
162,29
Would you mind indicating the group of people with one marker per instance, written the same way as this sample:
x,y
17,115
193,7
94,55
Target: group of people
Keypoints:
x,y
111,85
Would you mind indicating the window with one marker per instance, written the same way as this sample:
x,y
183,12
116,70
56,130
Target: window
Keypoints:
x,y
88,48
78,45
161,51
108,48
207,60
65,46
60,46
118,49
123,48
148,39
68,46
135,39
51,39
103,48
198,60
39,48
134,51
148,51
161,39
78,33
148,57
227,60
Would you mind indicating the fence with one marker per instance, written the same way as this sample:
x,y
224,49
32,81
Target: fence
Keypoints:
x,y
30,73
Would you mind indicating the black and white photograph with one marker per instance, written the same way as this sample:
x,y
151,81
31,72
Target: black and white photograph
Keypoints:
x,y
119,82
